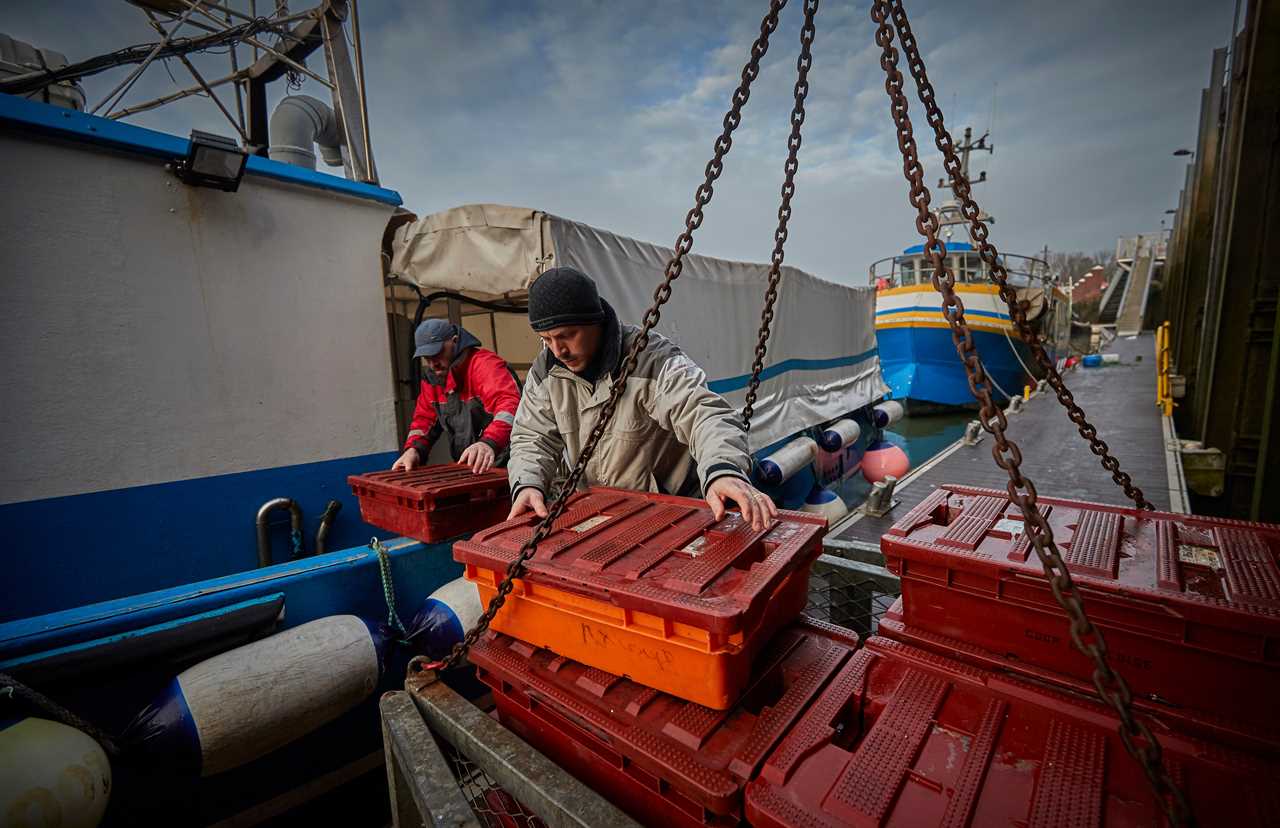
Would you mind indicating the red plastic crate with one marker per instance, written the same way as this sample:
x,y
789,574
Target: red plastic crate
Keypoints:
x,y
652,587
1189,606
664,760
1161,718
432,503
905,737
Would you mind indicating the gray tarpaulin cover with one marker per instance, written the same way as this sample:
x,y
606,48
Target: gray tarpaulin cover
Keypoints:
x,y
822,360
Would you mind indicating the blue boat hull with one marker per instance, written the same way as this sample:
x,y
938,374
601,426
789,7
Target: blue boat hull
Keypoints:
x,y
920,365
108,685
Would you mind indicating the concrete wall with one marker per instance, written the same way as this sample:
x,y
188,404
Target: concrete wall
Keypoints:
x,y
155,332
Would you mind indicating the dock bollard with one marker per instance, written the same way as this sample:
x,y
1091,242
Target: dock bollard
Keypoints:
x,y
973,433
1015,406
880,501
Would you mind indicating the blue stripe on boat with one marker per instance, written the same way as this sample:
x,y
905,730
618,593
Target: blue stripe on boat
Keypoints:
x,y
85,548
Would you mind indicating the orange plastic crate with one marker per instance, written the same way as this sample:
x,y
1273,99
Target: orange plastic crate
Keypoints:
x,y
652,588
432,503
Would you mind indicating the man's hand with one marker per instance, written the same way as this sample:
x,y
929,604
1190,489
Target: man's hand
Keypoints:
x,y
408,460
528,499
756,507
479,456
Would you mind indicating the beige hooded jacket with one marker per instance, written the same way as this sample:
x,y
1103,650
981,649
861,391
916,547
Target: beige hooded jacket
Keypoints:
x,y
670,433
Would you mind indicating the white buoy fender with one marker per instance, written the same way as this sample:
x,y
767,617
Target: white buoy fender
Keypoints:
x,y
443,618
244,703
887,413
826,503
51,774
839,434
786,461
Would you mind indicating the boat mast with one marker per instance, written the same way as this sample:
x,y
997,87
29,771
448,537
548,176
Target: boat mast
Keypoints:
x,y
949,212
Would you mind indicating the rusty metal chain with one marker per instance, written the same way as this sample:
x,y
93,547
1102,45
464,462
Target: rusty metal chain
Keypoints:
x,y
792,165
987,252
1138,740
684,243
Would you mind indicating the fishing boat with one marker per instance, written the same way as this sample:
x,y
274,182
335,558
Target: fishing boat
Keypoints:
x,y
206,337
916,350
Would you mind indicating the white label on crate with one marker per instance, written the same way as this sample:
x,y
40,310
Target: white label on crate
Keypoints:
x,y
1013,527
694,547
590,523
1199,555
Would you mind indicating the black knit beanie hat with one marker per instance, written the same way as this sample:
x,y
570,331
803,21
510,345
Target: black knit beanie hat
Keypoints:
x,y
564,296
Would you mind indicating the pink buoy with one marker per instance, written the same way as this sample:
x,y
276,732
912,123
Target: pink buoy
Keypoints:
x,y
882,460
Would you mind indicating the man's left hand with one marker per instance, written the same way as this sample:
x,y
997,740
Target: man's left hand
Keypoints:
x,y
756,507
479,456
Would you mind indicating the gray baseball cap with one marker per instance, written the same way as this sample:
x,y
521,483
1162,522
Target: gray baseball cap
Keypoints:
x,y
431,336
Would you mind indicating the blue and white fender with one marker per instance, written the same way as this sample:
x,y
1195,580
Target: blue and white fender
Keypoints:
x,y
443,618
242,704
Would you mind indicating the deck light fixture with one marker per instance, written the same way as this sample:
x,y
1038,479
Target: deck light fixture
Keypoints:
x,y
212,161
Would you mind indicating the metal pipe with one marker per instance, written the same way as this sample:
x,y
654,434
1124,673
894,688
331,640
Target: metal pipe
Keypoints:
x,y
326,521
194,5
173,96
127,83
264,531
199,79
364,101
235,67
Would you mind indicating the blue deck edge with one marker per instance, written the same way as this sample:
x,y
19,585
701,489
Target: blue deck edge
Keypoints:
x,y
20,113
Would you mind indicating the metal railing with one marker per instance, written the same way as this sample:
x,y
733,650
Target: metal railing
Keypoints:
x,y
449,763
1164,364
850,594
914,269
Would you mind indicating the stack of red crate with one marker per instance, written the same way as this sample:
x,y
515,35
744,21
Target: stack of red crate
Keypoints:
x,y
1189,606
664,760
971,707
651,587
655,652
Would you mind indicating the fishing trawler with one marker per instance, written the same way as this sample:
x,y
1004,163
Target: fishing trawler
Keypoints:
x,y
206,337
916,351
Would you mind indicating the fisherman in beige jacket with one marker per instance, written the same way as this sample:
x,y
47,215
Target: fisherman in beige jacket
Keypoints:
x,y
670,433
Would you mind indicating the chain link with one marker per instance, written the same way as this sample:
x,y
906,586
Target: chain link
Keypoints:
x,y
684,243
789,169
1138,740
987,252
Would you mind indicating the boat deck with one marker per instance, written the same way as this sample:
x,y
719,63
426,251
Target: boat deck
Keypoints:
x,y
1118,399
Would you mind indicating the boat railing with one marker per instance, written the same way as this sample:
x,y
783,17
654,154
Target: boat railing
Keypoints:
x,y
914,269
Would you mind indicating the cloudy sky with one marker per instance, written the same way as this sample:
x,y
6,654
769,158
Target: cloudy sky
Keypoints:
x,y
606,111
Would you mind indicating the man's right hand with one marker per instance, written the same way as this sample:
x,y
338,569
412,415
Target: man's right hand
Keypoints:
x,y
408,460
528,499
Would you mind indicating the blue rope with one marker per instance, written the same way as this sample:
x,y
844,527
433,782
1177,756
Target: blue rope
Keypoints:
x,y
297,543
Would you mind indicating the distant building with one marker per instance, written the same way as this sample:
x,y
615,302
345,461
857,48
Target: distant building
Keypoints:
x,y
1090,286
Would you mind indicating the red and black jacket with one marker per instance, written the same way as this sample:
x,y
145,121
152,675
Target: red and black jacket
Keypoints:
x,y
483,383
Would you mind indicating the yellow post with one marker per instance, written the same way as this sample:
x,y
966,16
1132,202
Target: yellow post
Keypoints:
x,y
1026,392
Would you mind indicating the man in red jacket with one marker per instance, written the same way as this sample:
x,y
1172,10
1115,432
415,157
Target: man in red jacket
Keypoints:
x,y
469,396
